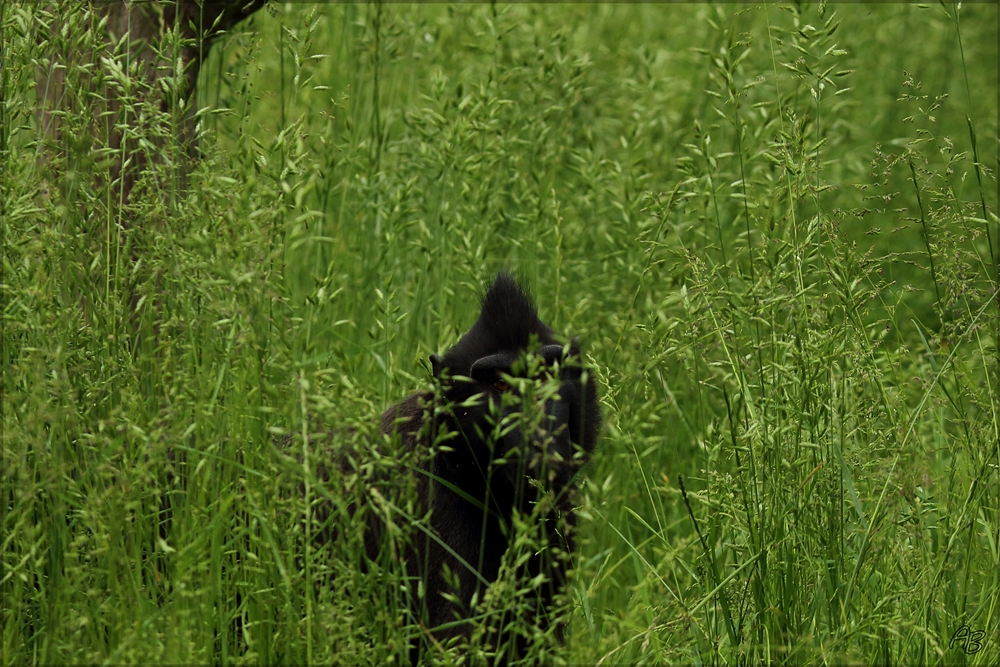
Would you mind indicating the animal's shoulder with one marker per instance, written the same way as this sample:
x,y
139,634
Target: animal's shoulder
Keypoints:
x,y
406,416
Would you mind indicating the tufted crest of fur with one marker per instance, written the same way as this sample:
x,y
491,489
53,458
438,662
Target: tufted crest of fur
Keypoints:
x,y
507,321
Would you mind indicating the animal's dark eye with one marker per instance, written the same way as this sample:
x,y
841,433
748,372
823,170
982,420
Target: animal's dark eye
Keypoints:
x,y
500,385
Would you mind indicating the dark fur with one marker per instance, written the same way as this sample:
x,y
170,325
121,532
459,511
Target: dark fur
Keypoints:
x,y
539,468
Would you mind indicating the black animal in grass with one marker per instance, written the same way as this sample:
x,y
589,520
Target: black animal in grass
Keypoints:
x,y
499,444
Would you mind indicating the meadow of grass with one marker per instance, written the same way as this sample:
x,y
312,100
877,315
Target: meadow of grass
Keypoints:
x,y
773,227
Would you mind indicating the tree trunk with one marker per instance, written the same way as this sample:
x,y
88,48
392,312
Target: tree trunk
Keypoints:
x,y
147,25
141,77
114,87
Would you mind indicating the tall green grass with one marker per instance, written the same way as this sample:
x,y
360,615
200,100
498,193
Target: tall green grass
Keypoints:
x,y
773,226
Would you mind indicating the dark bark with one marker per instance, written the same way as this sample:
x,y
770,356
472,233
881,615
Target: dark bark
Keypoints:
x,y
160,46
147,25
111,73
200,22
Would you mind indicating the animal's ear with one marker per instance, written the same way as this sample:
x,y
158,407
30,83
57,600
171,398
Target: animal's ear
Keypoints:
x,y
437,364
574,348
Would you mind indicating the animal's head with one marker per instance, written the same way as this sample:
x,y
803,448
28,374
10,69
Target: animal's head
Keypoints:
x,y
521,400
